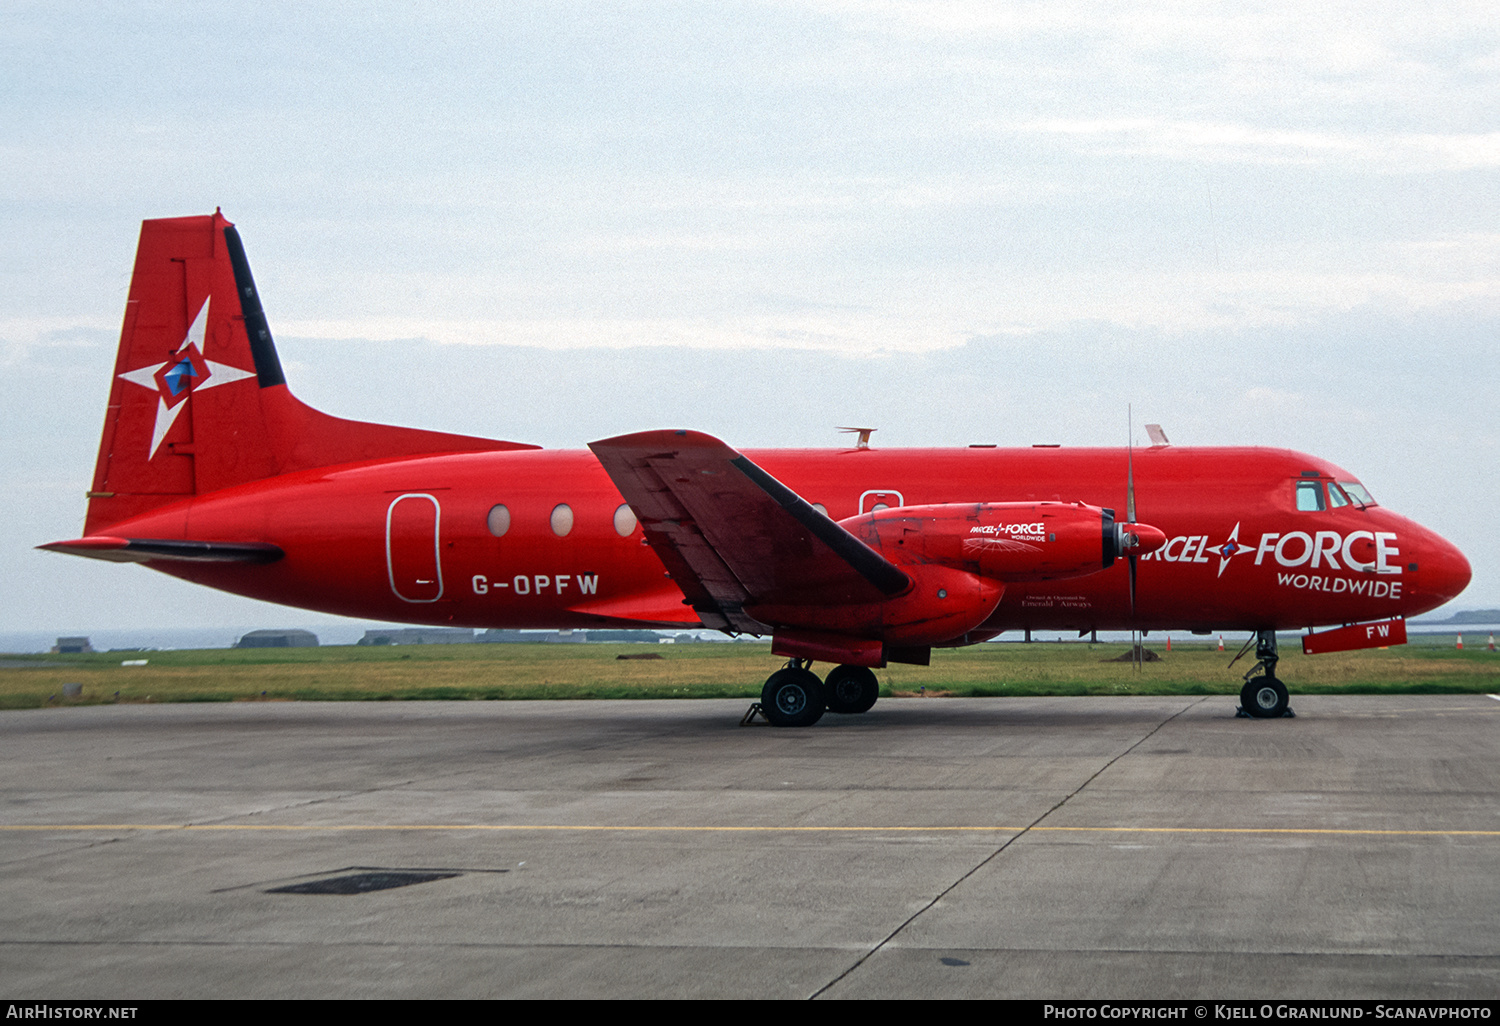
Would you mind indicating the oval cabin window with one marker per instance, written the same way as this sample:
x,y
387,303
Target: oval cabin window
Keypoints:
x,y
562,519
624,521
498,521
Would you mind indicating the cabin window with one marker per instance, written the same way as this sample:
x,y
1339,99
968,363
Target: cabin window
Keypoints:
x,y
624,521
498,521
1309,496
820,508
562,519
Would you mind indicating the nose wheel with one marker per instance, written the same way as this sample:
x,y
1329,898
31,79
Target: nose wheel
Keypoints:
x,y
1264,697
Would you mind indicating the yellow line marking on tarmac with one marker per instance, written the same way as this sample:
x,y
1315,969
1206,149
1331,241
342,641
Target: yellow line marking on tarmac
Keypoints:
x,y
518,827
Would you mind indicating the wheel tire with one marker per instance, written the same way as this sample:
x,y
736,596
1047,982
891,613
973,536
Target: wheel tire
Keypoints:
x,y
1265,698
851,689
792,698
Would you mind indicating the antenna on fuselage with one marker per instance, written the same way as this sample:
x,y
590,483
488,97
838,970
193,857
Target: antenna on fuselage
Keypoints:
x,y
864,434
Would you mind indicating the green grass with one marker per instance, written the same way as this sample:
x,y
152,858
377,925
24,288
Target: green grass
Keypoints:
x,y
560,671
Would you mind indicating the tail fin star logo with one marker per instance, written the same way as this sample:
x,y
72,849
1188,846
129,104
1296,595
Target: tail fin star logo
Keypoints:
x,y
185,372
177,377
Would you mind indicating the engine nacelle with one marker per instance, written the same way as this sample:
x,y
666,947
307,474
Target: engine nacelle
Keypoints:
x,y
942,603
1004,541
959,557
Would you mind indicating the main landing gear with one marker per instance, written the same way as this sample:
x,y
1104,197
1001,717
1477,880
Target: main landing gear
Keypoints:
x,y
1264,697
795,697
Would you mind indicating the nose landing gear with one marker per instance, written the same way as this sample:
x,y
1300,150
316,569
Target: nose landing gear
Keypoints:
x,y
1264,697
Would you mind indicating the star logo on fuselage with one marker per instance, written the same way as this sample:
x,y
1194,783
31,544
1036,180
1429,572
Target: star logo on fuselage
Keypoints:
x,y
1230,549
185,372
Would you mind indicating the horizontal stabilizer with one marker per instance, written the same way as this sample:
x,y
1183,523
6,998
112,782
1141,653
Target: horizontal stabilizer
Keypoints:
x,y
153,550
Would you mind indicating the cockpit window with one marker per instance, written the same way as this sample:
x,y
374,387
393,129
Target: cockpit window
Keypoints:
x,y
1309,496
1336,496
1356,491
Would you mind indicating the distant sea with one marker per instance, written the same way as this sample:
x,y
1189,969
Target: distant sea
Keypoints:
x,y
348,634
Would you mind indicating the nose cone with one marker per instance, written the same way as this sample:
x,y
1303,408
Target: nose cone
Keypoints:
x,y
1443,572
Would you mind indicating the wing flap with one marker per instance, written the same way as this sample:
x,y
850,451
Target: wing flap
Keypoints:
x,y
730,534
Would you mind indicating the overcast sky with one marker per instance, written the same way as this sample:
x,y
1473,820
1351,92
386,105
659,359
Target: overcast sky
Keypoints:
x,y
556,222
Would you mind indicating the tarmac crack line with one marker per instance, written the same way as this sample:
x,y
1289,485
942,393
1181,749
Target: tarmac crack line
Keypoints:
x,y
303,804
129,829
1028,828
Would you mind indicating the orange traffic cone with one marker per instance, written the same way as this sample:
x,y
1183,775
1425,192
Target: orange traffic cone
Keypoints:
x,y
1492,643
1221,642
1460,642
1169,642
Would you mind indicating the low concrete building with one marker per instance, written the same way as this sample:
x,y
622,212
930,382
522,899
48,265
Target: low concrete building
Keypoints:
x,y
503,636
278,639
418,636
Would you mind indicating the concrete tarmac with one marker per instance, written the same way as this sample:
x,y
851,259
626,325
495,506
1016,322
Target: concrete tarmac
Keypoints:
x,y
1030,847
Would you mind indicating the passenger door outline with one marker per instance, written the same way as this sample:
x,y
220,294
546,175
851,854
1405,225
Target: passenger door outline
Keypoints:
x,y
419,576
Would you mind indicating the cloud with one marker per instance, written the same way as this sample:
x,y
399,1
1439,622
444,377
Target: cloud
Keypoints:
x,y
1385,153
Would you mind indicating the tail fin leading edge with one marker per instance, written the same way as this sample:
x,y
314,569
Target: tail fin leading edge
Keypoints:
x,y
198,401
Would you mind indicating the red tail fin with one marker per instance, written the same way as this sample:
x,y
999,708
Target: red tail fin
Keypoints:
x,y
198,401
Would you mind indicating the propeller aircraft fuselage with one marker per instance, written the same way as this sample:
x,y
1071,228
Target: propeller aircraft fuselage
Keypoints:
x,y
210,470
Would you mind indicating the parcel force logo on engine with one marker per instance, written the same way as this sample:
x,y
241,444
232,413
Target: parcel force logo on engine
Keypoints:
x,y
1025,532
994,538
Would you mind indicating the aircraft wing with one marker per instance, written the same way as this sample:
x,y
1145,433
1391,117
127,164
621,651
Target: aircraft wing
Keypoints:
x,y
731,535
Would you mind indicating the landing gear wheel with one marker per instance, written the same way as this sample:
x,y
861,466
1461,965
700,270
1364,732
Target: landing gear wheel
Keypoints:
x,y
851,689
792,697
1264,698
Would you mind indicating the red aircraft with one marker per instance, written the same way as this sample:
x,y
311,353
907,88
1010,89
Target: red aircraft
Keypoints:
x,y
210,470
